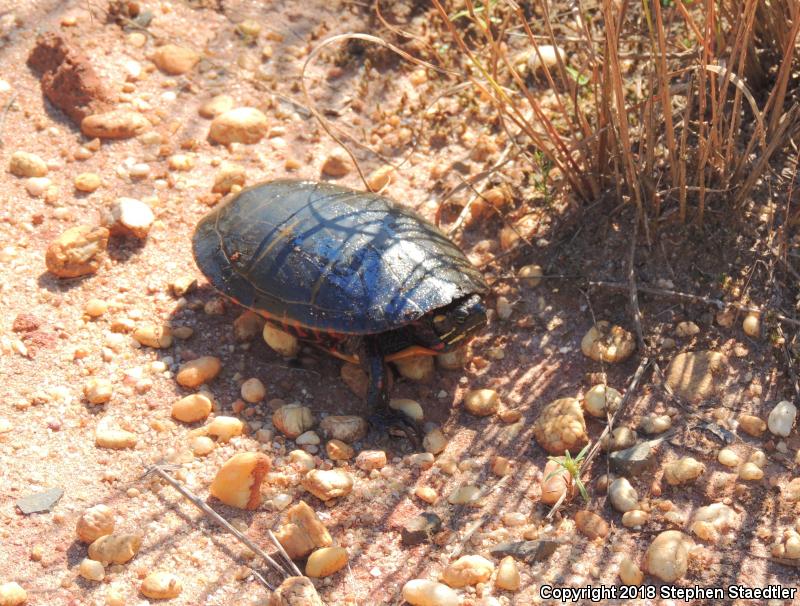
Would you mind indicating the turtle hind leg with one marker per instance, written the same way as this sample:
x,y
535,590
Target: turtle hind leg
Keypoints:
x,y
382,418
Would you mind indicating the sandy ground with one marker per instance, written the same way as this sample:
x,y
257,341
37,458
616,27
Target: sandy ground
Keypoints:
x,y
530,359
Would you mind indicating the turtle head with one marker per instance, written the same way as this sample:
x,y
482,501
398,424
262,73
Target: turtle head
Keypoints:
x,y
458,321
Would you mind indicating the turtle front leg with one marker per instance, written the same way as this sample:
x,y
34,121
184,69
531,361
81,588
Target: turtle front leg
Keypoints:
x,y
382,418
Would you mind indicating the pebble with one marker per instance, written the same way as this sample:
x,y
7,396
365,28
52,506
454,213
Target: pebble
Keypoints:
x,y
630,573
683,471
192,408
307,438
751,325
468,570
380,177
686,329
5,425
465,495
623,496
174,60
548,56
709,521
750,472
239,125
339,451
452,360
77,252
482,402
238,481
95,308
635,518
294,590
152,335
501,466
115,439
504,308
781,418
434,441
337,164
37,186
180,162
590,524
752,425
561,427
416,368
328,484
282,342
601,399
555,482
427,494
88,182
118,124
508,577
652,424
253,390
95,522
115,548
695,375
224,428
131,217
202,445
303,531
91,570
216,106
347,428
12,594
667,556
619,439
326,561
421,592
293,419
759,458
421,529
302,460
367,460
411,408
728,458
530,275
24,164
607,343
201,370
98,391
228,177
161,586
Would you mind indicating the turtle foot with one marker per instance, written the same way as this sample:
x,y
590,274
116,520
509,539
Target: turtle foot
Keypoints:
x,y
385,421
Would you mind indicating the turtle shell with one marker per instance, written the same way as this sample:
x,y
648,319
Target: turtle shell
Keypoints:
x,y
330,258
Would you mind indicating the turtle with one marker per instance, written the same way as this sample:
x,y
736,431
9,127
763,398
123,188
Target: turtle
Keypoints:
x,y
353,273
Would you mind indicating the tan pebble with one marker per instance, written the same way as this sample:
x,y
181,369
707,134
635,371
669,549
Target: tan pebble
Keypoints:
x,y
422,592
115,596
328,484
547,56
183,285
115,439
240,125
24,164
683,471
118,124
174,60
416,368
508,577
600,399
91,570
667,557
504,308
607,343
555,482
253,390
686,329
152,335
202,445
758,457
238,482
88,182
427,494
501,466
248,326
380,177
355,378
180,162
293,419
590,524
339,451
115,548
98,391
561,427
482,402
192,408
630,573
367,460
623,495
452,360
326,561
228,177
337,164
216,106
530,275
95,308
282,342
95,522
728,458
303,531
196,372
131,217
224,428
347,428
468,570
161,586
411,408
750,472
77,252
654,424
12,594
434,441
465,495
752,425
182,332
752,325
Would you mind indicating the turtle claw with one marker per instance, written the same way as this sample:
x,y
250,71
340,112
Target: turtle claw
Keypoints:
x,y
386,421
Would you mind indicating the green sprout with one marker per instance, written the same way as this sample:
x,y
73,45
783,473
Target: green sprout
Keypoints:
x,y
573,468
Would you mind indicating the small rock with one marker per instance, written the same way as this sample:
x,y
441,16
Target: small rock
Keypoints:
x,y
293,419
367,460
555,482
192,408
282,342
228,177
607,343
508,577
115,439
416,368
590,524
468,570
465,495
326,561
194,373
421,528
216,106
347,428
238,481
161,586
131,217
781,418
88,182
380,177
37,186
421,592
434,441
337,164
728,458
427,494
561,427
118,124
98,391
668,555
225,428
791,491
683,471
180,162
174,60
39,502
12,594
696,376
115,548
202,445
411,408
635,518
77,252
654,424
620,438
339,451
295,591
240,125
328,484
247,326
622,495
548,56
686,329
600,400
152,335
630,573
452,360
530,275
303,532
95,308
23,164
307,438
504,308
95,522
750,472
752,325
752,425
253,390
526,551
709,521
91,570
355,378
482,402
